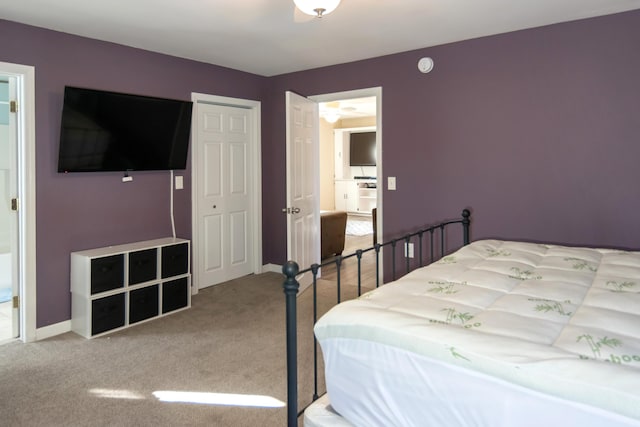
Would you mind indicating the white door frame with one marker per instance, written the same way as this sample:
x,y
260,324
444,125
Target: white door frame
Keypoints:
x,y
363,93
25,85
256,203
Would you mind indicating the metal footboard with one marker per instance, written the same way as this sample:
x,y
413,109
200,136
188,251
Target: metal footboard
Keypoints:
x,y
431,245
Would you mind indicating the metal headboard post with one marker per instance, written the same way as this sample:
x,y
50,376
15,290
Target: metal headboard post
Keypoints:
x,y
314,271
465,226
291,287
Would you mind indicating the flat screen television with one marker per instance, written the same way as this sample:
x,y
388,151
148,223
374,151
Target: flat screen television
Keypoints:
x,y
110,131
362,149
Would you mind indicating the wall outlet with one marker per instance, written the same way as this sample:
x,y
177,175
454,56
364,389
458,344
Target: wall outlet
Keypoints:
x,y
408,250
179,183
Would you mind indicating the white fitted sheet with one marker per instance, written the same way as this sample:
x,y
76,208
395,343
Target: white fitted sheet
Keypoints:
x,y
521,323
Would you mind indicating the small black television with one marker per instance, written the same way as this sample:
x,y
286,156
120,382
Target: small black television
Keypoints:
x,y
362,149
105,131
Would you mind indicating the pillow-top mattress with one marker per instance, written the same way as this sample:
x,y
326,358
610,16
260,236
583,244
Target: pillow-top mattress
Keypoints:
x,y
554,320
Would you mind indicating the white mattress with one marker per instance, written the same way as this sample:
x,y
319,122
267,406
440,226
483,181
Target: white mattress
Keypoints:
x,y
497,332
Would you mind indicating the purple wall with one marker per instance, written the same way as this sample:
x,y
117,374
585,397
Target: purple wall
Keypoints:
x,y
82,211
537,131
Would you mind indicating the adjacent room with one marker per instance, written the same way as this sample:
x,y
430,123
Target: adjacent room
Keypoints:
x,y
160,164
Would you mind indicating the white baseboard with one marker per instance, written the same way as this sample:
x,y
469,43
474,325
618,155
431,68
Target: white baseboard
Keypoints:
x,y
53,330
273,268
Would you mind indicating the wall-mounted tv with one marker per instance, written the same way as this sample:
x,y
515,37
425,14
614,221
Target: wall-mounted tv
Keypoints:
x,y
109,131
362,149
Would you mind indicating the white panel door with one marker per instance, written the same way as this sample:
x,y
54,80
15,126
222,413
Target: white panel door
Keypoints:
x,y
225,193
303,184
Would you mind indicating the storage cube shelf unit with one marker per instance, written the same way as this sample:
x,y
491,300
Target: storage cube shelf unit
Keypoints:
x,y
118,286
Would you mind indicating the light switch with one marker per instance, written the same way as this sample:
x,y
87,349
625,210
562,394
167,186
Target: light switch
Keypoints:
x,y
179,183
391,183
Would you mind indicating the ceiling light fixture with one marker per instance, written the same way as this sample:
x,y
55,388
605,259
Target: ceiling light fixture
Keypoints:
x,y
332,117
317,8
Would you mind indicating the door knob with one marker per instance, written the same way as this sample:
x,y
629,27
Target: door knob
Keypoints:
x,y
291,210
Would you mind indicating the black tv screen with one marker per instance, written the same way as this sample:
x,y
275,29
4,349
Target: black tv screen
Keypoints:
x,y
109,131
362,149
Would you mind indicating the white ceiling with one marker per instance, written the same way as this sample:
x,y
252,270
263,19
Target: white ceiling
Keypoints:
x,y
349,108
270,37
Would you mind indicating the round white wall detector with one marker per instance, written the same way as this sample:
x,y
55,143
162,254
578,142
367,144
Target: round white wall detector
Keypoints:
x,y
425,64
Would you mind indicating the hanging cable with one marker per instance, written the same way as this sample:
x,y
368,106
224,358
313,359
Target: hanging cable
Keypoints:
x,y
173,222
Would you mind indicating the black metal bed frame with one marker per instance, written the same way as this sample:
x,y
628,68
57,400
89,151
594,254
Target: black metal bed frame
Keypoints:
x,y
291,286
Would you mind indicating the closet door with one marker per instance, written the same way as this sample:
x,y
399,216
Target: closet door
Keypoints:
x,y
225,193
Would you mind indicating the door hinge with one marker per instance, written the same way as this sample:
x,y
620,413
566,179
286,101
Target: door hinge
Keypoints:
x,y
13,106
14,204
16,302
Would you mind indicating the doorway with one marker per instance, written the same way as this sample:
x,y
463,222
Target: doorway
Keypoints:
x,y
352,185
9,319
17,203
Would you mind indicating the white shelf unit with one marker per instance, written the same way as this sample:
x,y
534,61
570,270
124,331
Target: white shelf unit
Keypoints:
x,y
115,287
367,196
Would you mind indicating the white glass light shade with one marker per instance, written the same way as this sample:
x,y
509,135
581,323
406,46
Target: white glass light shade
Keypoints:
x,y
317,8
332,117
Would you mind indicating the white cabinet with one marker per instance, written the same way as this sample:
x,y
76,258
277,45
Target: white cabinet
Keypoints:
x,y
355,196
118,286
346,193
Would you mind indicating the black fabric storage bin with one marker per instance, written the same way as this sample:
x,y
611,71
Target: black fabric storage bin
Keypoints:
x,y
175,260
175,294
107,313
107,273
143,303
143,266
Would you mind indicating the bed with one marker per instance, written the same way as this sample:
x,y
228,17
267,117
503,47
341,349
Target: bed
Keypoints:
x,y
498,333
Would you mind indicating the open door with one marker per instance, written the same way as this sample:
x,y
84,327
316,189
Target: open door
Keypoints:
x,y
303,185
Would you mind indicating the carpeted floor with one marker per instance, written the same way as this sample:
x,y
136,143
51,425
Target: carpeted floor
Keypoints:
x,y
231,342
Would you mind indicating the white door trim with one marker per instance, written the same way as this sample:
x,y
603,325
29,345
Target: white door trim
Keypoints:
x,y
25,77
255,152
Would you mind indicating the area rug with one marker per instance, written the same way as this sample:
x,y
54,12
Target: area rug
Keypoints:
x,y
358,227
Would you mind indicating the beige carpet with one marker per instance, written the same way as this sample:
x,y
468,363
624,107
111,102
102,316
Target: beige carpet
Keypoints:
x,y
231,342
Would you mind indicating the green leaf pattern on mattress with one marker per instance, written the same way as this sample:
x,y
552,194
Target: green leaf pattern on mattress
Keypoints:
x,y
495,252
445,287
523,274
453,316
622,287
550,306
595,345
581,264
457,355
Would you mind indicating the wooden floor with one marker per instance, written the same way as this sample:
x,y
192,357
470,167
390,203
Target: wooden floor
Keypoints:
x,y
349,267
